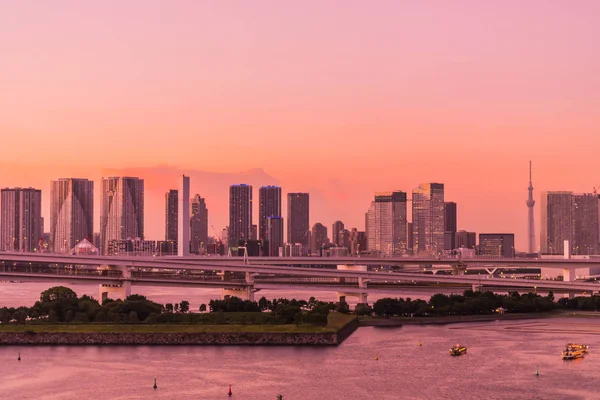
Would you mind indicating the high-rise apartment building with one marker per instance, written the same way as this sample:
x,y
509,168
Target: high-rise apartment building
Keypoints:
x,y
318,238
171,215
466,240
569,216
409,237
274,235
269,205
240,214
71,213
428,218
497,245
584,213
298,228
20,223
199,225
556,221
387,224
336,228
449,226
122,210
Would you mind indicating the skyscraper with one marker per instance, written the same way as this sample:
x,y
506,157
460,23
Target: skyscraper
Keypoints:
x,y
269,205
530,226
298,219
584,211
122,210
71,213
318,238
449,226
171,214
240,214
556,221
199,224
274,235
386,224
428,218
336,229
183,211
20,224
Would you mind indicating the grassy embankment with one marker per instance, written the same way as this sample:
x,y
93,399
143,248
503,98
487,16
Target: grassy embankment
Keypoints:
x,y
335,321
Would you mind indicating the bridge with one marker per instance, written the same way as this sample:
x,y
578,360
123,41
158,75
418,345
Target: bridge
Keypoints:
x,y
243,277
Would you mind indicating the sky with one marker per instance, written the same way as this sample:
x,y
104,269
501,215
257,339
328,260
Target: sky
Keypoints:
x,y
339,98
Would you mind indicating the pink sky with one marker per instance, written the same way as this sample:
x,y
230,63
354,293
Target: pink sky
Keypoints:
x,y
340,98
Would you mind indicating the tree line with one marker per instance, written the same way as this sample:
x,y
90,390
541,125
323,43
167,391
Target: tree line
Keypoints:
x,y
62,305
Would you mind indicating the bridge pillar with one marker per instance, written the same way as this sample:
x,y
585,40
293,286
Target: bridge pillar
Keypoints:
x,y
459,269
362,297
476,287
569,274
246,293
104,290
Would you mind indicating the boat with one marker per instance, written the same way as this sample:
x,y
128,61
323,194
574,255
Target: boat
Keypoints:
x,y
571,354
575,346
458,350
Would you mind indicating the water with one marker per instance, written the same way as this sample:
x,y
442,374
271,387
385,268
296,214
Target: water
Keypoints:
x,y
501,363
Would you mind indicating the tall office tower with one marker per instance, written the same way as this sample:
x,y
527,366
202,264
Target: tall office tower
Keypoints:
x,y
254,234
171,213
274,235
183,231
466,240
240,214
530,226
409,237
318,238
336,228
122,210
199,224
71,213
556,222
21,211
386,221
449,225
298,228
497,244
361,241
584,212
269,205
428,218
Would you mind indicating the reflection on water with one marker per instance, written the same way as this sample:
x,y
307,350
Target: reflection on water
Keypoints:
x,y
500,364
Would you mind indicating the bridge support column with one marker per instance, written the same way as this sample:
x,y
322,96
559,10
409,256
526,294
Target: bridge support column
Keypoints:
x,y
459,269
124,290
569,274
476,287
246,293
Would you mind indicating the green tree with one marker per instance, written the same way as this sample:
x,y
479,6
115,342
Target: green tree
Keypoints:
x,y
20,316
58,293
184,306
169,307
202,307
176,307
133,317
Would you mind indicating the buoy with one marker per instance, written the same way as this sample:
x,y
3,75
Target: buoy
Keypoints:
x,y
155,384
19,359
279,397
376,358
537,371
229,393
420,344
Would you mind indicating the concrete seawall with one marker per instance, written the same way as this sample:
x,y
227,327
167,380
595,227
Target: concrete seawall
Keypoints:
x,y
172,338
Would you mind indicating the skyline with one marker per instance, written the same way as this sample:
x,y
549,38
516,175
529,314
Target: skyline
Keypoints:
x,y
157,228
338,101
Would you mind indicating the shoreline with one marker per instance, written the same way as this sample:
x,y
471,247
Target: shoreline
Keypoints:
x,y
177,335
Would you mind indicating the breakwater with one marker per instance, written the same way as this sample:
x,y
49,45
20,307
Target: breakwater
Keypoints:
x,y
332,338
